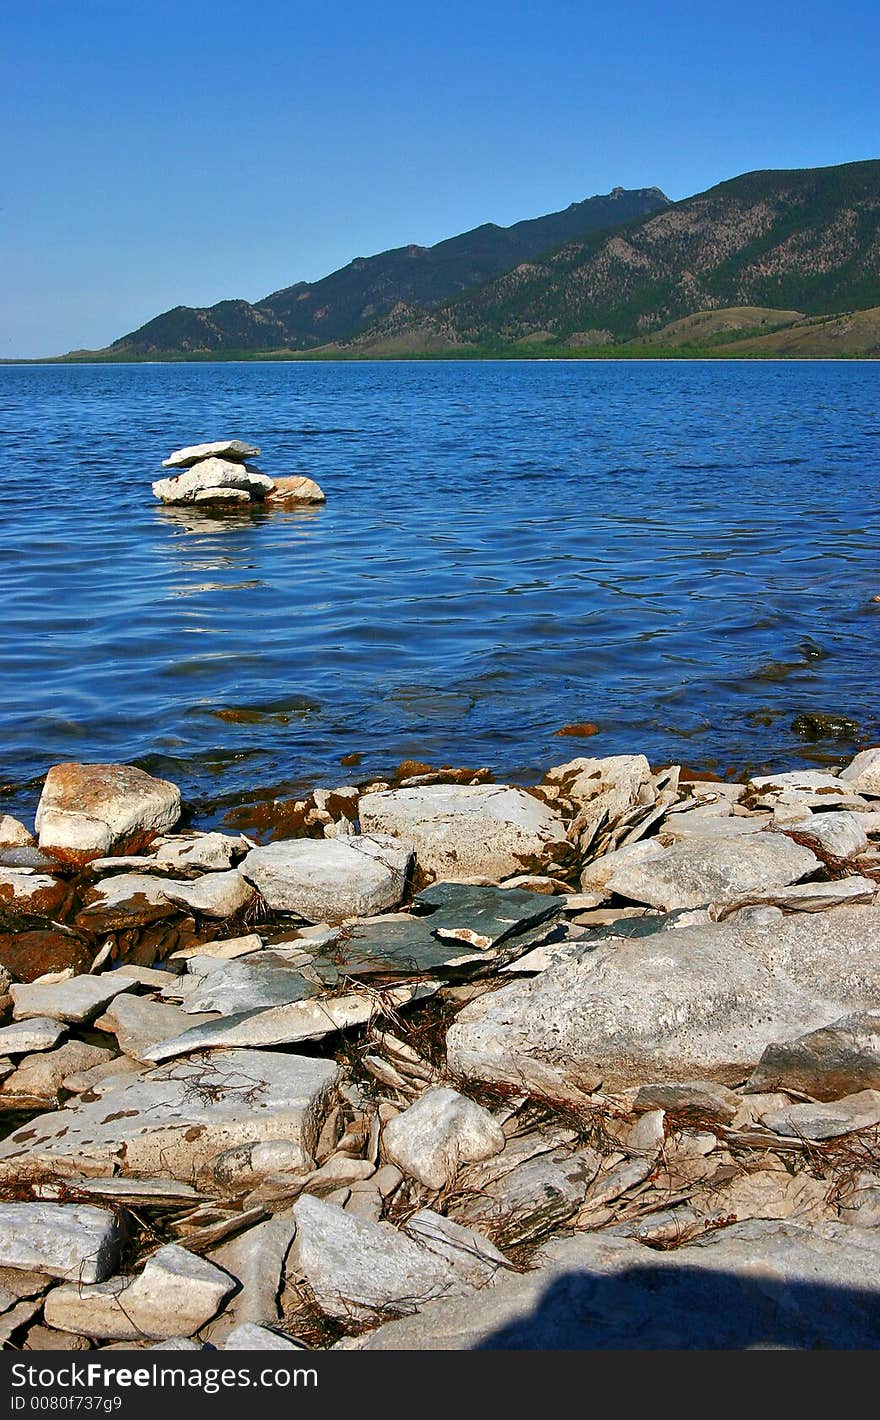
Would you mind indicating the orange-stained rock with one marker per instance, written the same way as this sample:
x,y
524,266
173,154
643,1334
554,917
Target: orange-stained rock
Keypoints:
x,y
90,810
27,955
295,490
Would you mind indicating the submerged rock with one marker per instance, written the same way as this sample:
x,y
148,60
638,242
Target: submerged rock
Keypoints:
x,y
89,810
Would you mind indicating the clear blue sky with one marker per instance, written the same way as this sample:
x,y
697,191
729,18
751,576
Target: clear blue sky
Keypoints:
x,y
158,153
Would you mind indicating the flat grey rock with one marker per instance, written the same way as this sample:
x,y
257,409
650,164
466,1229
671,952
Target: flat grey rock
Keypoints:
x,y
326,880
240,987
826,1120
256,1259
75,1241
41,1076
174,1120
220,448
37,1033
139,1024
77,1000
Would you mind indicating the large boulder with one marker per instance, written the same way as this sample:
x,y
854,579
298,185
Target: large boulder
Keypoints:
x,y
701,870
235,449
212,479
695,1002
87,810
752,1286
468,830
326,880
442,1130
296,490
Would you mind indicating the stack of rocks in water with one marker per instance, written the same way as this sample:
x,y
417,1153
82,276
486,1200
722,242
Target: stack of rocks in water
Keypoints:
x,y
220,473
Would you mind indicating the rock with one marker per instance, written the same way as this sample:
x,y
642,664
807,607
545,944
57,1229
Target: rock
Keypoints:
x,y
238,986
249,1337
706,870
357,1270
38,1033
471,1256
221,449
204,852
286,1025
816,725
14,834
29,955
23,890
755,1285
860,1203
76,1000
125,901
175,1120
82,1080
839,1059
680,827
71,1240
42,1076
244,1167
42,1338
596,876
217,895
863,773
611,1182
296,490
89,810
175,1295
828,1120
225,950
769,1193
365,1202
213,479
841,834
256,1259
14,1319
689,1101
330,879
139,1024
461,831
699,1002
535,1197
442,1130
802,897
807,788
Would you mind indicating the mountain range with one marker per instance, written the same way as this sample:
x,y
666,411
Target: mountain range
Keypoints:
x,y
771,262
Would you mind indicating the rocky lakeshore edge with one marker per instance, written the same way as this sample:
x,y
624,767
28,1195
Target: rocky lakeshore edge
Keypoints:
x,y
442,1063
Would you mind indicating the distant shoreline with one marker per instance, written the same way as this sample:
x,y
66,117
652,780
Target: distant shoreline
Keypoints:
x,y
551,356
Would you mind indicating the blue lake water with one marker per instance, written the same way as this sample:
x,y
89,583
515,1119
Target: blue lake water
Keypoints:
x,y
683,553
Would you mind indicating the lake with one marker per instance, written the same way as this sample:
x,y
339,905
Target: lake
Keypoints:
x,y
684,554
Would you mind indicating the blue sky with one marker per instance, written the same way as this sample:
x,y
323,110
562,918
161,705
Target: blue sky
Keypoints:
x,y
163,153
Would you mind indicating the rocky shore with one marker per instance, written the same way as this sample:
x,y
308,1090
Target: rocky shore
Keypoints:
x,y
444,1063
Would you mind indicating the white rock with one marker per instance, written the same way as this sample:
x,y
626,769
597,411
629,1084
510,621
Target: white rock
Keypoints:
x,y
256,1259
139,1024
14,834
357,1269
247,1165
226,949
217,895
22,1037
826,1121
329,879
71,1240
207,852
175,1120
441,1131
460,831
598,873
41,1076
175,1295
696,1002
287,1025
840,834
703,870
863,773
89,810
471,1256
221,448
212,478
76,1000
